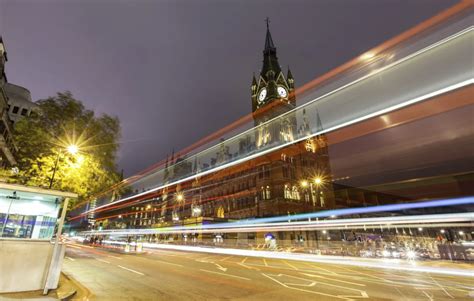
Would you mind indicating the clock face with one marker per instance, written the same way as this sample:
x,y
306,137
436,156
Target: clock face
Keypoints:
x,y
262,95
282,91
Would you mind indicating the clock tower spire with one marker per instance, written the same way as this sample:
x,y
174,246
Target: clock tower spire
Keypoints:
x,y
272,85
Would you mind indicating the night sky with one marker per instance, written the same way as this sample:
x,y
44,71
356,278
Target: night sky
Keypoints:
x,y
176,71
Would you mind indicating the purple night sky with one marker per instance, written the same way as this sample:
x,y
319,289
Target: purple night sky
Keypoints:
x,y
175,71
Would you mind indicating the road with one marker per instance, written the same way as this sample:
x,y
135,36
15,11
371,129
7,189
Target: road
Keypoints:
x,y
178,275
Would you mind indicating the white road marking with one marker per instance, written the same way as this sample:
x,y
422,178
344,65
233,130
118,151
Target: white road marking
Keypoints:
x,y
332,279
115,257
130,270
221,267
290,265
320,268
248,267
225,258
243,260
429,297
444,290
265,262
170,263
207,271
71,259
304,290
101,260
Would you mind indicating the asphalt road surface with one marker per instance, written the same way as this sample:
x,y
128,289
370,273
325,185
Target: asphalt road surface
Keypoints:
x,y
178,275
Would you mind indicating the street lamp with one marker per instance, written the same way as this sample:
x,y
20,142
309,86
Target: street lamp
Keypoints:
x,y
318,181
72,149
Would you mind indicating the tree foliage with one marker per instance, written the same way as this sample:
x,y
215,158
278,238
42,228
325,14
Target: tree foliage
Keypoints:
x,y
43,139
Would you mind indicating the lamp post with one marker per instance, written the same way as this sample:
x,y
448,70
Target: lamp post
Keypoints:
x,y
72,149
318,181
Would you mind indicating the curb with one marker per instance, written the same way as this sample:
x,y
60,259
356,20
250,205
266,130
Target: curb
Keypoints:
x,y
80,291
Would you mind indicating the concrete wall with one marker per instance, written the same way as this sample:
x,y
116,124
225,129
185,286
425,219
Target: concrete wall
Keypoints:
x,y
24,264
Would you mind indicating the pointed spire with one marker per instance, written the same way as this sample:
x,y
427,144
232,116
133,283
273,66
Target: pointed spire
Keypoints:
x,y
319,125
289,75
269,46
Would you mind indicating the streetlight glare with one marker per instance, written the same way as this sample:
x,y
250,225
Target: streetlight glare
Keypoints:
x,y
72,149
304,183
318,180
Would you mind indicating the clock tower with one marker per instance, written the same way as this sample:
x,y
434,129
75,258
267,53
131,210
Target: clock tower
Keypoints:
x,y
273,95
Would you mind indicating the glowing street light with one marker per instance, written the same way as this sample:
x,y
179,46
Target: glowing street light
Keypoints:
x,y
304,183
179,197
318,181
73,149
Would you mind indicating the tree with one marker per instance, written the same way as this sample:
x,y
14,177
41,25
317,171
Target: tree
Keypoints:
x,y
43,139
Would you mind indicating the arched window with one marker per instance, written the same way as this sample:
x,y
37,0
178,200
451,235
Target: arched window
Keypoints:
x,y
295,193
220,212
267,192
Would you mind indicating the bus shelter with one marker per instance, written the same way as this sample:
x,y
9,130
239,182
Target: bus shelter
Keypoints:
x,y
31,222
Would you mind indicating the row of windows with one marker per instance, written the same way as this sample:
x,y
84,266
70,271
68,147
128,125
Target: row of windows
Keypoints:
x,y
16,110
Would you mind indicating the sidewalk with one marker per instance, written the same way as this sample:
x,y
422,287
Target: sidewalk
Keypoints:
x,y
69,289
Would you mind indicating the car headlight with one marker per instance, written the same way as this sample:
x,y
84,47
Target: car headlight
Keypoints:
x,y
411,254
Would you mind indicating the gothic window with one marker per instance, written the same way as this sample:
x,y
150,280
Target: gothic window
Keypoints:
x,y
295,193
310,145
267,192
287,192
321,198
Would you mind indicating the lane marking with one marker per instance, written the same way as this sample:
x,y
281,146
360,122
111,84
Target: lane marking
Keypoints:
x,y
320,268
207,271
248,267
290,265
115,257
170,263
304,290
221,267
265,262
101,260
130,270
243,260
225,258
439,285
429,297
331,279
71,259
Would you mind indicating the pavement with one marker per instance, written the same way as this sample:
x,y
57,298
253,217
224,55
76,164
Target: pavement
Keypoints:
x,y
67,288
183,275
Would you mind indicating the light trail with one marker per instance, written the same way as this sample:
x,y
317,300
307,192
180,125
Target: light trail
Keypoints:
x,y
375,263
352,223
